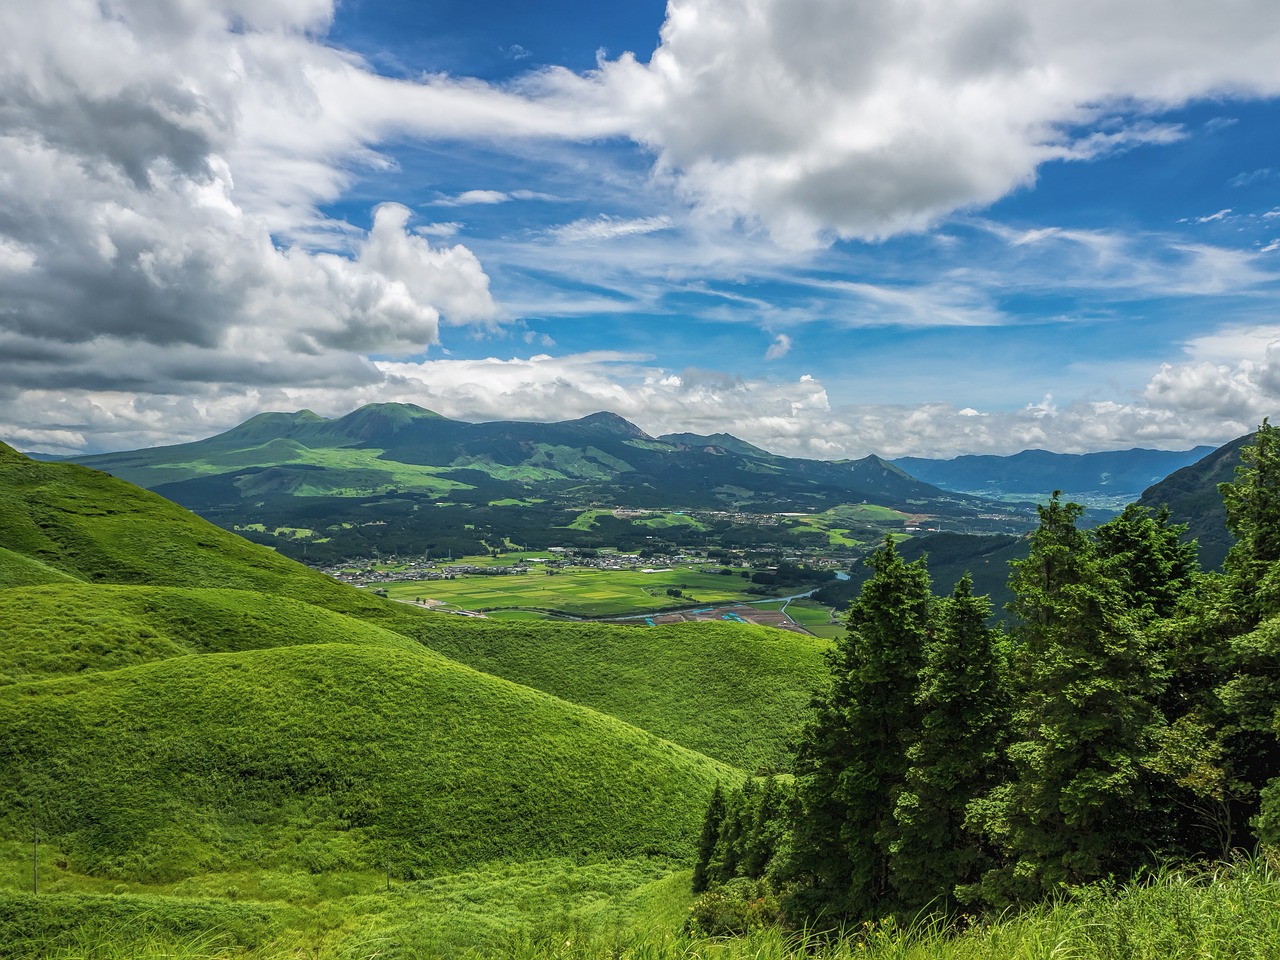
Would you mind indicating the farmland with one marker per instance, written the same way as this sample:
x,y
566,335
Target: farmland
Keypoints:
x,y
581,592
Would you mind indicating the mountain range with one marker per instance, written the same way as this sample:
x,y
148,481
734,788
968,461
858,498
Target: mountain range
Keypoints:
x,y
395,478
403,446
1111,478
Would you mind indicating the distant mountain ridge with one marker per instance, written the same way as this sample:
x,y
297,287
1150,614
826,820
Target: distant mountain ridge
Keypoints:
x,y
1120,474
602,455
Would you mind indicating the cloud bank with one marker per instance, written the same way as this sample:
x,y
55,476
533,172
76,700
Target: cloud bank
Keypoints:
x,y
166,268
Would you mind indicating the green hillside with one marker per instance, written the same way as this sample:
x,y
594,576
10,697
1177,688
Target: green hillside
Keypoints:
x,y
332,757
63,630
64,522
734,692
219,746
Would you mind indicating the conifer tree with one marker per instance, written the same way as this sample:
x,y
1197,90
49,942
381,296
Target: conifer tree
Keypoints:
x,y
1251,690
707,842
1084,724
955,758
1148,558
851,761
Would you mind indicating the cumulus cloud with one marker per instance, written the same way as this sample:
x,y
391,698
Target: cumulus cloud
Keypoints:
x,y
1196,401
136,246
867,118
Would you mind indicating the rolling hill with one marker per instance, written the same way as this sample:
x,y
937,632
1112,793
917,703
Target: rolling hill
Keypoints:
x,y
185,712
180,704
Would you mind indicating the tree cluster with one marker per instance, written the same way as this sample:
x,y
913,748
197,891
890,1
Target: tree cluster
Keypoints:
x,y
1128,718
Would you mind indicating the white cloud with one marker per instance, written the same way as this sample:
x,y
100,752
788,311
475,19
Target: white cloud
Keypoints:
x,y
868,118
1188,403
605,227
780,347
473,197
1220,215
139,231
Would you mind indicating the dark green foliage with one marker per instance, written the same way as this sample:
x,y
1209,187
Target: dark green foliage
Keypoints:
x,y
711,824
956,757
1253,515
744,831
1148,558
1085,721
851,762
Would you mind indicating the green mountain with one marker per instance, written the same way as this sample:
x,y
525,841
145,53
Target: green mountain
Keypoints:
x,y
394,478
405,447
1192,497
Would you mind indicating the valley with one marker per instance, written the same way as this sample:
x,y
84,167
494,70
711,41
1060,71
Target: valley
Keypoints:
x,y
220,751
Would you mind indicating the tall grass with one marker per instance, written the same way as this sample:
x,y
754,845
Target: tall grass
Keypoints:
x,y
1230,913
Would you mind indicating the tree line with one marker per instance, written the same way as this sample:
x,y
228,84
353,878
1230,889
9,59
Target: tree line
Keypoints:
x,y
1126,719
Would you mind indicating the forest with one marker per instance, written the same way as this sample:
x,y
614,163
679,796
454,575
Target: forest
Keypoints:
x,y
1123,723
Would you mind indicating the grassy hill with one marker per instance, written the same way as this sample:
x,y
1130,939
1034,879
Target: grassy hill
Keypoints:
x,y
333,756
85,525
68,629
734,692
208,737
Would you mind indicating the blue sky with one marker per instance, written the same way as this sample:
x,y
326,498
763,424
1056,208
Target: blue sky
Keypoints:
x,y
831,227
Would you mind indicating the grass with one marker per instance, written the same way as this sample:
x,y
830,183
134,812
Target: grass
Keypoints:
x,y
225,753
731,691
632,910
578,592
332,757
63,630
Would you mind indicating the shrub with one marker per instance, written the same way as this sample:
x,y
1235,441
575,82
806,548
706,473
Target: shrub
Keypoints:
x,y
734,908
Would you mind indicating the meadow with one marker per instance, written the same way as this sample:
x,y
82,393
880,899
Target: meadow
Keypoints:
x,y
578,592
632,910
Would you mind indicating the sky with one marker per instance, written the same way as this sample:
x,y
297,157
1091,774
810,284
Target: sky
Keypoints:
x,y
828,227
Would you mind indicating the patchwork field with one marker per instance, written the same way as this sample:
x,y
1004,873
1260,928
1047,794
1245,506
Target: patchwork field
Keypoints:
x,y
581,592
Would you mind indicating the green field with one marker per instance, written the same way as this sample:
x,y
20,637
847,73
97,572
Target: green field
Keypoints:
x,y
851,525
814,617
580,592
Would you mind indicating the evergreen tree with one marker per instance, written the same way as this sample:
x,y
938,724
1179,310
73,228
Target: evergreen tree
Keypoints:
x,y
1253,515
711,824
1145,554
1249,694
956,757
851,761
1084,725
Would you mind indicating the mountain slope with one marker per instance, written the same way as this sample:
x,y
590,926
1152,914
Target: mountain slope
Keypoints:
x,y
405,447
1192,497
80,524
734,692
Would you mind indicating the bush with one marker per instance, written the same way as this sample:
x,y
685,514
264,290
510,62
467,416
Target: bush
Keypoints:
x,y
737,907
